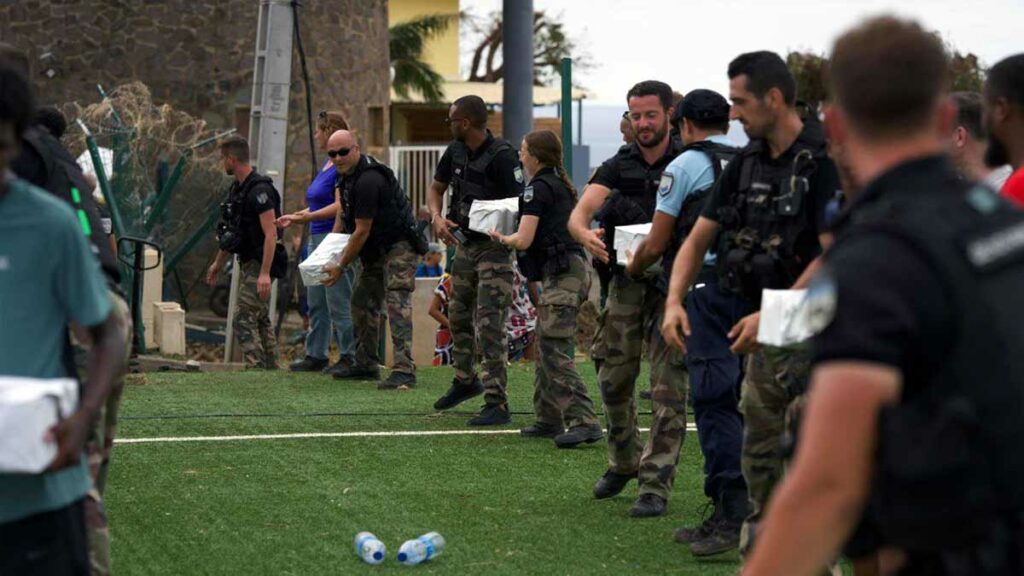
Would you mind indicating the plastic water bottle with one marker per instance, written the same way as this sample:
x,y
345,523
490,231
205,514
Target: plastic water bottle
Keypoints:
x,y
370,548
428,546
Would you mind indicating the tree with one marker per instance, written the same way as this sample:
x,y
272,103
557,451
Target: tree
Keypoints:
x,y
407,41
550,45
966,72
809,70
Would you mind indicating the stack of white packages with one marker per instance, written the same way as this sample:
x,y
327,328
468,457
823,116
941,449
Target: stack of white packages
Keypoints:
x,y
312,269
29,407
628,238
500,215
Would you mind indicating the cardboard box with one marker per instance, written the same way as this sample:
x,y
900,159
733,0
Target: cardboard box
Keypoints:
x,y
29,407
328,252
500,215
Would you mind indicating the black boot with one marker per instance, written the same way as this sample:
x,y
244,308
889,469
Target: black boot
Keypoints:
x,y
308,364
689,535
343,362
357,373
397,380
578,435
491,415
725,535
648,506
540,430
459,393
611,484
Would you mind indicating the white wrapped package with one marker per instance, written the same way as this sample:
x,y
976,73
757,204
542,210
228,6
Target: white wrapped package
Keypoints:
x,y
28,408
328,252
628,238
500,215
784,318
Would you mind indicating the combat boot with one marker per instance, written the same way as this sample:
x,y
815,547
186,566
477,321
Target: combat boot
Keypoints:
x,y
725,535
459,393
342,362
648,506
491,415
577,435
541,430
397,380
308,364
357,373
611,484
689,535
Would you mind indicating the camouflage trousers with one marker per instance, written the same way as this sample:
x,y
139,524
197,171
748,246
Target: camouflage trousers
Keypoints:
x,y
252,327
387,282
559,394
632,318
775,379
98,450
481,294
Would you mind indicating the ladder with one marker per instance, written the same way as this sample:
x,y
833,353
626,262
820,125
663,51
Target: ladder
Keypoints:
x,y
268,122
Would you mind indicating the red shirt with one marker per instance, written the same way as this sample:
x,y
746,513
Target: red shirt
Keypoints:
x,y
1014,188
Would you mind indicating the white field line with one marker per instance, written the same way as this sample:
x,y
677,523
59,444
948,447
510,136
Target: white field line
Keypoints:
x,y
305,435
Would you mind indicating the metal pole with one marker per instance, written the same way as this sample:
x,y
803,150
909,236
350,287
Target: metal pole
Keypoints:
x,y
566,113
172,182
517,61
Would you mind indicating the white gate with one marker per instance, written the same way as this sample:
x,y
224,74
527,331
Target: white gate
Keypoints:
x,y
414,167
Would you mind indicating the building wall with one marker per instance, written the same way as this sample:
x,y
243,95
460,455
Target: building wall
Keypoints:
x,y
442,52
197,55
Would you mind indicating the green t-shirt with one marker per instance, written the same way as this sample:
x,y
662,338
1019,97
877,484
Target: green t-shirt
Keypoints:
x,y
48,278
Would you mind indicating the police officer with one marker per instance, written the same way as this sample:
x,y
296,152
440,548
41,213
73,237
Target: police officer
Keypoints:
x,y
624,191
916,411
769,205
248,231
714,370
377,214
478,166
550,256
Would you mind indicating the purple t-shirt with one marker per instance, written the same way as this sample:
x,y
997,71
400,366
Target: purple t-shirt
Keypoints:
x,y
319,195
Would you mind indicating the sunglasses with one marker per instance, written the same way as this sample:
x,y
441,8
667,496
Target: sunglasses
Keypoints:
x,y
339,152
453,120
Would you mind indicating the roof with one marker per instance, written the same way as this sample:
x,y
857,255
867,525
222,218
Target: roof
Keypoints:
x,y
491,92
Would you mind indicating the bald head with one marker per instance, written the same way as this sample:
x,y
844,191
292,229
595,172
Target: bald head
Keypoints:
x,y
343,151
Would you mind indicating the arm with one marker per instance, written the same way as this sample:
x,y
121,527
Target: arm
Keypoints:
x,y
304,216
355,245
214,269
820,501
440,224
594,196
104,364
685,268
338,227
435,311
522,238
264,281
653,246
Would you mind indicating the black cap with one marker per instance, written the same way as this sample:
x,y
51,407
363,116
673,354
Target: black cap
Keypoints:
x,y
704,106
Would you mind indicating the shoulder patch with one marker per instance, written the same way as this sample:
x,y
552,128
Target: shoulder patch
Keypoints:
x,y
518,172
821,302
528,194
665,186
262,198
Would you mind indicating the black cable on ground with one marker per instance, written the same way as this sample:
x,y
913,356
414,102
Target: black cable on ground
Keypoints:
x,y
315,415
309,94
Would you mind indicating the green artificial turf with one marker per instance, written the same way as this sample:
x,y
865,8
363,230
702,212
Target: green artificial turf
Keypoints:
x,y
506,505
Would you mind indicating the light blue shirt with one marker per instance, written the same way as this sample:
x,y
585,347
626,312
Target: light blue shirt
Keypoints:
x,y
691,172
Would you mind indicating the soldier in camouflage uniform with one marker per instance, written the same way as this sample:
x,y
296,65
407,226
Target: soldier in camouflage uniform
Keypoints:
x,y
548,254
633,312
479,167
248,231
376,213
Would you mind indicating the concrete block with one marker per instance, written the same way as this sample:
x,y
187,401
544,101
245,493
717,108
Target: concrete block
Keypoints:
x,y
169,327
152,291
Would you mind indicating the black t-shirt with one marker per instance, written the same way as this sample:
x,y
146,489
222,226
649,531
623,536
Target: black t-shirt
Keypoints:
x,y
888,305
260,197
368,197
552,205
607,174
500,176
824,182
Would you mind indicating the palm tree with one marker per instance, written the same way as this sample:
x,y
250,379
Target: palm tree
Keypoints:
x,y
411,72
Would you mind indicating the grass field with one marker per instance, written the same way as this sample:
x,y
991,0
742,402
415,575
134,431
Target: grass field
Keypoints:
x,y
506,505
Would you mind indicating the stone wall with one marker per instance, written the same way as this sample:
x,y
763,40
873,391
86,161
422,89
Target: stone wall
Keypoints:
x,y
197,55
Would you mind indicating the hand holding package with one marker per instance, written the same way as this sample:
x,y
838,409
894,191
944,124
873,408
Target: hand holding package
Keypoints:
x,y
500,215
313,268
29,407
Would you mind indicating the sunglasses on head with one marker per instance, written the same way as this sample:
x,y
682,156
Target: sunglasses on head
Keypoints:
x,y
339,152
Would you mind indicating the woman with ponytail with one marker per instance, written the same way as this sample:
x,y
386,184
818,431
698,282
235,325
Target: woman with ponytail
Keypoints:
x,y
548,254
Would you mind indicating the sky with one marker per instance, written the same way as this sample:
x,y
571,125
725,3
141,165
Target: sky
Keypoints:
x,y
689,43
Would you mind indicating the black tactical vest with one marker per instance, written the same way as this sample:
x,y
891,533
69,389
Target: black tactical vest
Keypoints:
x,y
767,217
469,179
240,231
548,255
634,200
394,221
949,481
719,155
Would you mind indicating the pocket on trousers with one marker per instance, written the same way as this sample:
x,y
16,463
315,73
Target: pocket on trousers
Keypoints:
x,y
557,321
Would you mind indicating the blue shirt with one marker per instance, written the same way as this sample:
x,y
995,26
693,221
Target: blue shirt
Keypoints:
x,y
691,172
424,271
320,194
48,278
